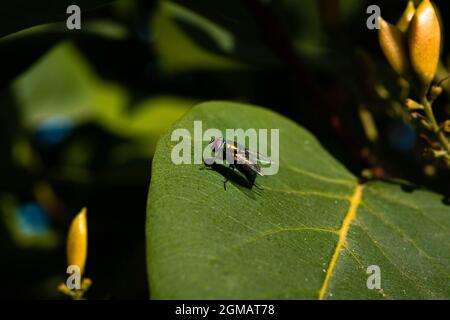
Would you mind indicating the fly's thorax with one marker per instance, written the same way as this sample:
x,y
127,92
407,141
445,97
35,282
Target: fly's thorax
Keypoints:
x,y
217,144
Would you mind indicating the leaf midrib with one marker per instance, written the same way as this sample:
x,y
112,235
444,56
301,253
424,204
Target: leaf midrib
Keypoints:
x,y
350,216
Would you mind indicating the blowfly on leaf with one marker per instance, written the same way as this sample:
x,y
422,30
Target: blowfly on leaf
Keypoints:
x,y
237,157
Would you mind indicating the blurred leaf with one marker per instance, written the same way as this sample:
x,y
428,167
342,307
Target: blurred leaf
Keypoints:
x,y
300,19
106,28
21,14
177,50
223,39
223,27
63,87
147,120
21,51
308,232
61,83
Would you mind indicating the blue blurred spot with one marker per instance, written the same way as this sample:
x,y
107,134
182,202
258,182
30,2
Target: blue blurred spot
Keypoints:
x,y
402,136
33,219
54,130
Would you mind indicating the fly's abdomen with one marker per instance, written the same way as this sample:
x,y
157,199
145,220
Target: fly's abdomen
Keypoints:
x,y
249,171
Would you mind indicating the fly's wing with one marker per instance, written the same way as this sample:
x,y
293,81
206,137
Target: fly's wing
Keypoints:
x,y
257,169
241,158
257,156
245,153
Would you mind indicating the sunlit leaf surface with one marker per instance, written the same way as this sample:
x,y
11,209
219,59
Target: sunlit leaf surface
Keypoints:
x,y
309,232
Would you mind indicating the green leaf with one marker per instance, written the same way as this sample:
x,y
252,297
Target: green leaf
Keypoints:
x,y
21,14
170,40
223,29
63,86
310,231
61,83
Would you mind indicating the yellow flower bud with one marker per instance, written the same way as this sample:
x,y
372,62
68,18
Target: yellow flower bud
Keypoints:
x,y
413,105
77,241
435,92
405,19
446,126
425,42
393,44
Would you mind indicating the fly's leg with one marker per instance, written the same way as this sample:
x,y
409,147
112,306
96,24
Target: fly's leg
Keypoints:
x,y
225,184
209,163
228,178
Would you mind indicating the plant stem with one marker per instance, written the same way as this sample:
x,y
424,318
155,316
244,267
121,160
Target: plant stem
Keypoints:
x,y
435,126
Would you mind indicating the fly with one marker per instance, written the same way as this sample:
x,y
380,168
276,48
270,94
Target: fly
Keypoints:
x,y
238,157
